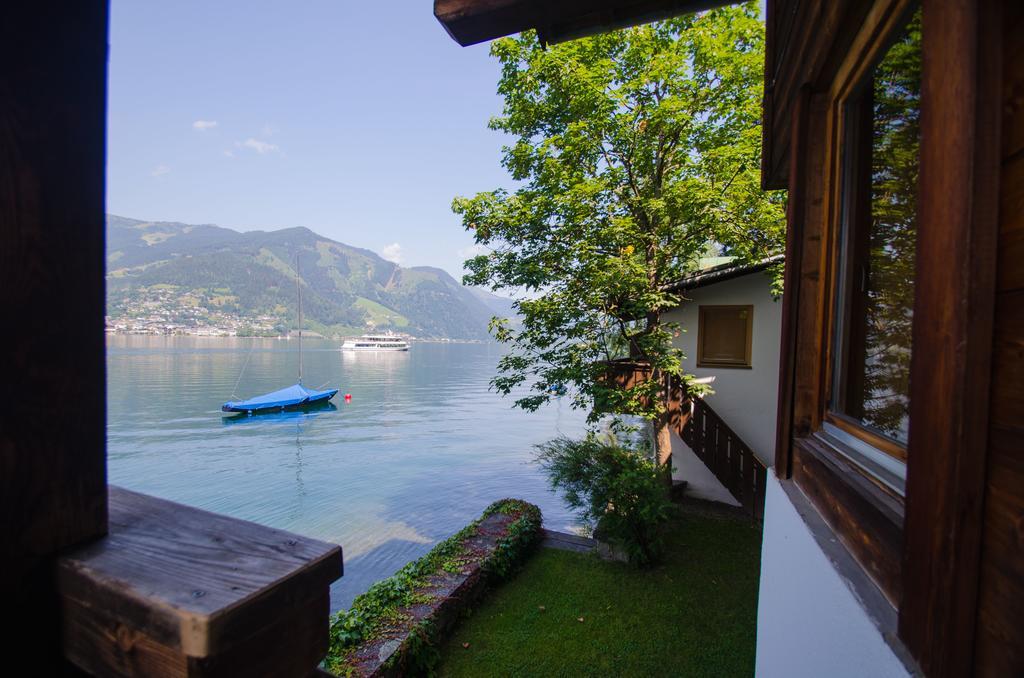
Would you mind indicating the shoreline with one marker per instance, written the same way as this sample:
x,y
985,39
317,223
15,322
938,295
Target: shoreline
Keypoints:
x,y
305,335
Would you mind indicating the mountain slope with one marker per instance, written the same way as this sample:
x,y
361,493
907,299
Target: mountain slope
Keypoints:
x,y
206,269
499,306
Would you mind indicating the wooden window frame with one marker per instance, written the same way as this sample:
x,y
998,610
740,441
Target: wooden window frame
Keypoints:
x,y
922,551
702,361
867,516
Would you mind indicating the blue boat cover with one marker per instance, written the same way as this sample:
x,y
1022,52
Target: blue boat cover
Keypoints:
x,y
293,396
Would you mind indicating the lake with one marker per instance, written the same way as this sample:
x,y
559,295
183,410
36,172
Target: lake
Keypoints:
x,y
422,448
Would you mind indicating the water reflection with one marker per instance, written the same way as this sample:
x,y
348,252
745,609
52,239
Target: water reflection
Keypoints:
x,y
419,451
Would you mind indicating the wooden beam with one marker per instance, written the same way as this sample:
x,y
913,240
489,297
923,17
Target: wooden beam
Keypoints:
x,y
999,644
795,210
805,44
953,330
473,21
52,145
52,423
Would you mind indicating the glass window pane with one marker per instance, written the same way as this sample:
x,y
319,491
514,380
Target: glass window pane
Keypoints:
x,y
876,284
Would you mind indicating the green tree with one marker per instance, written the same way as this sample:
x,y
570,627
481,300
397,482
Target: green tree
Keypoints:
x,y
636,152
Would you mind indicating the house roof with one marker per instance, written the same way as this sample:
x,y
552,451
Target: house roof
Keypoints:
x,y
473,21
721,273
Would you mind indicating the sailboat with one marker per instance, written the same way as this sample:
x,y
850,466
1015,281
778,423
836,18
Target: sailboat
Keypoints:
x,y
292,397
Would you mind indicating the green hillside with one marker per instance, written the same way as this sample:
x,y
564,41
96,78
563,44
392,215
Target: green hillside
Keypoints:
x,y
187,273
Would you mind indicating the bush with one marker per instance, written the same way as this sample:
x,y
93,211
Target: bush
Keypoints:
x,y
614,487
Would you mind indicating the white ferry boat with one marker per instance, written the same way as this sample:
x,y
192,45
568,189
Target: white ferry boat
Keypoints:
x,y
376,342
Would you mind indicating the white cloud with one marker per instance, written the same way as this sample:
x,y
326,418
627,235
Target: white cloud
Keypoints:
x,y
203,125
260,147
392,253
160,170
472,251
229,153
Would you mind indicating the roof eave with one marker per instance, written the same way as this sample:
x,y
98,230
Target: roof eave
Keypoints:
x,y
722,273
469,22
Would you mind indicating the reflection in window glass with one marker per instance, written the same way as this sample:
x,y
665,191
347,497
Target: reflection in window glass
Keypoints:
x,y
872,383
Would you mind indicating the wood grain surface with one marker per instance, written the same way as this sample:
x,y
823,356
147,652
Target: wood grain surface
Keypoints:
x,y
192,583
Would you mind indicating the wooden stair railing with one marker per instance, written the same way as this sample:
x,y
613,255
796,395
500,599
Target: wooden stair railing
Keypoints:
x,y
730,459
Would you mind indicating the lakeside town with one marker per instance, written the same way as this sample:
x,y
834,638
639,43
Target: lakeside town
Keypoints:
x,y
161,310
167,309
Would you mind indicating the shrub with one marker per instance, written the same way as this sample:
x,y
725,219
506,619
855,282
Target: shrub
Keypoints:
x,y
614,487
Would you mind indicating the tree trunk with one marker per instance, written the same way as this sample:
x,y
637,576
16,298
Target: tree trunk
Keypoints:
x,y
663,446
662,431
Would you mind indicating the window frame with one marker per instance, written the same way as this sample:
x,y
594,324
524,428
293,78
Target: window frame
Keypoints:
x,y
701,335
921,555
866,513
847,111
849,193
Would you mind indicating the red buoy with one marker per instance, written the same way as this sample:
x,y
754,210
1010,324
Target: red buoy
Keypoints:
x,y
348,397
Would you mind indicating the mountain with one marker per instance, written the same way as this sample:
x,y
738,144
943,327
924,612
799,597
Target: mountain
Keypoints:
x,y
183,273
499,306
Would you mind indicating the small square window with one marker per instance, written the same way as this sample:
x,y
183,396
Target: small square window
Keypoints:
x,y
724,336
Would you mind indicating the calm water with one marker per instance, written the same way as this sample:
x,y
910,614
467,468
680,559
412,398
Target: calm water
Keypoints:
x,y
420,450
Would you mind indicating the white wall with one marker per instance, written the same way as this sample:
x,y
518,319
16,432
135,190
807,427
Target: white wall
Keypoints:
x,y
746,399
809,623
701,483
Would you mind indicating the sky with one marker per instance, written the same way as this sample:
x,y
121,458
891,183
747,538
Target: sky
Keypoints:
x,y
358,120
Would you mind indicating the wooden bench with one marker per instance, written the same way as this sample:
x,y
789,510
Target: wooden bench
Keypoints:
x,y
176,591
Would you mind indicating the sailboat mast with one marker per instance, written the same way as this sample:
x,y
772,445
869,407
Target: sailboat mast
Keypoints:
x,y
298,289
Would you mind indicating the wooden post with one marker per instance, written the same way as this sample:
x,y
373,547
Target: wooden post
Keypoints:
x,y
52,425
950,369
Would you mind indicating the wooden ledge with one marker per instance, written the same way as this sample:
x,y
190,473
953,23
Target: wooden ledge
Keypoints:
x,y
173,590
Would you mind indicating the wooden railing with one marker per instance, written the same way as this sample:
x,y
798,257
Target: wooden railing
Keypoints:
x,y
626,374
729,458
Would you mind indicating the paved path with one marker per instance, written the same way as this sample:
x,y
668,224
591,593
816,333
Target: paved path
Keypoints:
x,y
567,542
572,542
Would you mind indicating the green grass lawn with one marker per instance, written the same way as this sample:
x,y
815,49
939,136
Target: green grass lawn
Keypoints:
x,y
693,615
